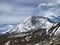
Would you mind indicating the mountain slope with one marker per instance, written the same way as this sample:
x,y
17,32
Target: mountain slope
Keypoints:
x,y
31,24
33,30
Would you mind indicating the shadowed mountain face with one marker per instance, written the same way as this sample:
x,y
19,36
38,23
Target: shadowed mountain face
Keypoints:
x,y
35,30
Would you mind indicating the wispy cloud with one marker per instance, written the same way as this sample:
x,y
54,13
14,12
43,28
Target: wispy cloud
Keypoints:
x,y
47,3
14,11
11,14
24,3
50,9
52,13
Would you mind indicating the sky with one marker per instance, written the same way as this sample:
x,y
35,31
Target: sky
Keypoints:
x,y
13,12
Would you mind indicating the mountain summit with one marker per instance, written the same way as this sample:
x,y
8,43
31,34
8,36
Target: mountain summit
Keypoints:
x,y
31,24
32,31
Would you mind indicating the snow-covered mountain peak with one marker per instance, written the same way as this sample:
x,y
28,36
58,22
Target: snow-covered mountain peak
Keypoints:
x,y
31,24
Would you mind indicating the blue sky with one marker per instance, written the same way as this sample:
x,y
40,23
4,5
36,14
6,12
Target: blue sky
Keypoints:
x,y
15,11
